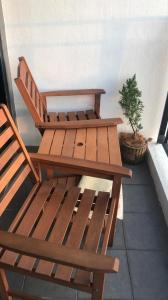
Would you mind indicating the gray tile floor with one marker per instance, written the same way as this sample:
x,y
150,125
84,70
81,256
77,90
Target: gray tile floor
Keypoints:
x,y
141,243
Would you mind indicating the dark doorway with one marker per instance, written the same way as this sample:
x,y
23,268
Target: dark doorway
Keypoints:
x,y
6,91
2,85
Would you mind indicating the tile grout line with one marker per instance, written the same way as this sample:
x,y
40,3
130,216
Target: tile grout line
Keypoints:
x,y
132,291
22,287
144,184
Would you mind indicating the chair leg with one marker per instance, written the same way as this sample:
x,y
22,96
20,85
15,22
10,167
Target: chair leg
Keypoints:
x,y
50,172
98,285
4,287
115,199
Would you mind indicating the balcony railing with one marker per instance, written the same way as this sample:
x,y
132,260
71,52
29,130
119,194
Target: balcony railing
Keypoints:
x,y
163,132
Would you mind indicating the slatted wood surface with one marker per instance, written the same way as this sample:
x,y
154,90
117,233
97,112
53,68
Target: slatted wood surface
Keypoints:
x,y
29,91
48,214
95,144
53,212
70,116
15,165
37,104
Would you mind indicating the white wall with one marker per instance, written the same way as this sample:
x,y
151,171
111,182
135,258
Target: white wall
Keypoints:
x,y
91,43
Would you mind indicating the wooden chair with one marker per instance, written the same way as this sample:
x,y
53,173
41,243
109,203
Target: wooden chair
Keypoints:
x,y
47,239
37,103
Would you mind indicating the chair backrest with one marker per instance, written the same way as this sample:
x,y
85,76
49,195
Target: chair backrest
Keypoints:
x,y
15,162
29,91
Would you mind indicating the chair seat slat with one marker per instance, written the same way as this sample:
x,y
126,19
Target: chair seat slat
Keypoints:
x,y
91,114
44,224
52,116
72,116
81,115
94,232
59,230
77,231
30,218
62,116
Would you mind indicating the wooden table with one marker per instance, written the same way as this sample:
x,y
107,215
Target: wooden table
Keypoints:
x,y
95,144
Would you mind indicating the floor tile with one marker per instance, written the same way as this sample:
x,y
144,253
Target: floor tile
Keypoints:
x,y
139,198
119,242
16,280
140,174
117,286
48,290
145,231
149,273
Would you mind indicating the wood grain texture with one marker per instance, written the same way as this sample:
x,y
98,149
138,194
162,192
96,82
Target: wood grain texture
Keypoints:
x,y
73,92
60,234
82,166
66,256
4,287
80,124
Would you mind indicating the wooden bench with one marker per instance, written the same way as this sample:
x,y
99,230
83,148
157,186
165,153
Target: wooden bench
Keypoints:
x,y
37,102
47,239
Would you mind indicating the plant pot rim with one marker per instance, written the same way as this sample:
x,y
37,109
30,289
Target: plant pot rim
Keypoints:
x,y
134,147
122,141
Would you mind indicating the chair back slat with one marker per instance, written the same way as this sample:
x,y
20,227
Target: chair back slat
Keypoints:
x,y
3,119
14,188
10,151
11,171
5,136
15,163
30,92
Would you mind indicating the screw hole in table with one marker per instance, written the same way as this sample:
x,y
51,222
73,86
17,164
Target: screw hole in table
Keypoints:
x,y
79,144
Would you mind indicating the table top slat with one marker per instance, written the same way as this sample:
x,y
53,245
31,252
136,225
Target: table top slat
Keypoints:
x,y
95,144
91,144
57,143
46,142
114,147
80,144
69,142
102,145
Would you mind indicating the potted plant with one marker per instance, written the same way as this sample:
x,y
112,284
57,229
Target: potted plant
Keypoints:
x,y
133,145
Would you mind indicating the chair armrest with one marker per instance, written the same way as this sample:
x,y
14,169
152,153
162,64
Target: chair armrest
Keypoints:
x,y
61,255
80,123
82,167
73,92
